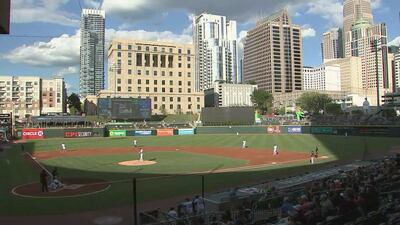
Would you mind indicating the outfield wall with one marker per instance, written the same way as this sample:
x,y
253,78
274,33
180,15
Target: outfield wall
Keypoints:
x,y
44,133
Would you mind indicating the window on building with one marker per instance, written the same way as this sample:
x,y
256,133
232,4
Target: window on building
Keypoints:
x,y
171,99
139,59
118,89
163,90
147,81
155,49
198,106
188,58
139,72
129,62
188,66
189,74
179,99
129,47
180,51
180,83
179,74
179,58
163,73
171,90
179,65
129,89
163,99
155,73
180,90
129,71
155,106
188,51
129,81
119,46
139,81
170,50
189,83
163,82
147,72
118,82
155,98
198,99
155,82
171,106
147,48
171,73
189,90
129,54
171,82
139,48
119,54
189,106
155,90
139,89
189,99
147,89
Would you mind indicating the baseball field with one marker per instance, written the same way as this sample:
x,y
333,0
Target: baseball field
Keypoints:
x,y
96,181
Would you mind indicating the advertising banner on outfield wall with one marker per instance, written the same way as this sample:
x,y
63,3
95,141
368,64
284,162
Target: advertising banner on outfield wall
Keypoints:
x,y
295,129
323,130
143,133
165,132
77,134
117,133
185,131
32,133
273,129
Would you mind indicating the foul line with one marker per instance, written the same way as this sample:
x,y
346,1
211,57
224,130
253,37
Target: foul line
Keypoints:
x,y
39,164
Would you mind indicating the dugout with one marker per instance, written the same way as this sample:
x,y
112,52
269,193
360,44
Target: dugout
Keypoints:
x,y
220,116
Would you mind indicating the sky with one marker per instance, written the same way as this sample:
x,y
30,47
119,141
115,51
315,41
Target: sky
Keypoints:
x,y
44,39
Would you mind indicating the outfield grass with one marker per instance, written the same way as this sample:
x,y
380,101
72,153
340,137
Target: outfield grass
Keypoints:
x,y
15,170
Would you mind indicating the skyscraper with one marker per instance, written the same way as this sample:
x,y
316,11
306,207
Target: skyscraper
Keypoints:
x,y
359,44
273,54
215,42
92,52
353,9
332,47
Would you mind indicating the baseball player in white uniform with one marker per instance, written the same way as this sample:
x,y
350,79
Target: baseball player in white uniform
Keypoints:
x,y
141,153
63,148
244,144
135,143
276,149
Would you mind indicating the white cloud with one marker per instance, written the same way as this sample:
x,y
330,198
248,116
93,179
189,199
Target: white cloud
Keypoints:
x,y
70,70
395,42
331,10
92,4
62,51
46,11
307,31
166,36
376,4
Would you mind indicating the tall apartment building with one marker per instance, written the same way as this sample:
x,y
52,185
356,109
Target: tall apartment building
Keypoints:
x,y
325,78
332,45
397,71
161,71
273,54
229,95
91,79
358,44
54,96
353,9
215,42
31,96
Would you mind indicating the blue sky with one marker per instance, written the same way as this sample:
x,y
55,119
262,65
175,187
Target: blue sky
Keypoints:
x,y
44,38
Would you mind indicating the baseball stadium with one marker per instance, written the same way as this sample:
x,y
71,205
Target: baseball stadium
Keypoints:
x,y
68,170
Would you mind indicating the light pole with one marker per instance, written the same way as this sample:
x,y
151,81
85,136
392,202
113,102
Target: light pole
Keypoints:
x,y
115,67
377,45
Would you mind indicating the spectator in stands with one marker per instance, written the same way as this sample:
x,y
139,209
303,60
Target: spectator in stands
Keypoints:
x,y
188,205
327,207
198,205
172,216
54,173
43,181
286,207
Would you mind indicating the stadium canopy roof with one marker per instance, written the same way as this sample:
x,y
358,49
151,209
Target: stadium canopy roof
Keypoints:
x,y
59,119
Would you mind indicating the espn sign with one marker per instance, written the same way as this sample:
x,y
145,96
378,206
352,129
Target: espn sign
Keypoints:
x,y
77,134
32,133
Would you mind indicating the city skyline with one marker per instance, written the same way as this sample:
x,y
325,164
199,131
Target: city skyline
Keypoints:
x,y
55,50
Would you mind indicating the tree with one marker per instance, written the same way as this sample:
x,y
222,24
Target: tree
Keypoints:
x,y
262,100
74,104
333,109
313,102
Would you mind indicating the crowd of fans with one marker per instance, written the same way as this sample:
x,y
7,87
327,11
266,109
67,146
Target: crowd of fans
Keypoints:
x,y
366,196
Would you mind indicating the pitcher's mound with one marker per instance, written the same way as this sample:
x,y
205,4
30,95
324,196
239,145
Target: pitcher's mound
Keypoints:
x,y
137,163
